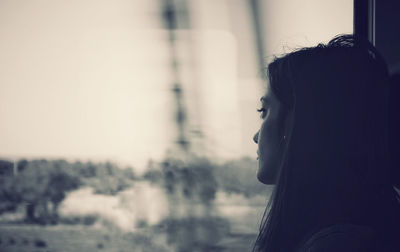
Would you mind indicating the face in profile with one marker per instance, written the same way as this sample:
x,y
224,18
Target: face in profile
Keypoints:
x,y
269,138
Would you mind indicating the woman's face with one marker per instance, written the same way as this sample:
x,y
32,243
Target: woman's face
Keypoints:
x,y
269,138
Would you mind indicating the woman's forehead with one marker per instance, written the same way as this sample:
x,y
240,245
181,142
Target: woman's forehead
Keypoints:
x,y
268,93
269,97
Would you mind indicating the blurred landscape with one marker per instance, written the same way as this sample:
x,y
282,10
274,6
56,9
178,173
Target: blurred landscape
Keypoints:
x,y
128,125
191,205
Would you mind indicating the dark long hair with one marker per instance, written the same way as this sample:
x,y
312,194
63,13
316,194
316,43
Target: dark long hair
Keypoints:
x,y
335,154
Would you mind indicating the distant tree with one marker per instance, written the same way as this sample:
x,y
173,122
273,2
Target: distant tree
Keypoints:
x,y
6,167
61,180
128,173
30,185
153,172
7,201
42,182
22,164
108,178
200,172
195,177
239,176
85,170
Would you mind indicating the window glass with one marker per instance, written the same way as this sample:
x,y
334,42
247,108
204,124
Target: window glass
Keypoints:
x,y
128,125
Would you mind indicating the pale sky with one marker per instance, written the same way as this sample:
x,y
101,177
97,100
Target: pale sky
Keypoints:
x,y
91,80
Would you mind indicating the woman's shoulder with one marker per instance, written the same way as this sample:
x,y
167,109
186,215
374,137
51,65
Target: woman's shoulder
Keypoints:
x,y
341,237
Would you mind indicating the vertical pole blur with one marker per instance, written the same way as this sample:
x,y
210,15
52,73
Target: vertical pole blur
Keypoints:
x,y
364,19
190,185
170,21
258,31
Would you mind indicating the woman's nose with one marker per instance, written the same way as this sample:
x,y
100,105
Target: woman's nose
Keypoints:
x,y
255,137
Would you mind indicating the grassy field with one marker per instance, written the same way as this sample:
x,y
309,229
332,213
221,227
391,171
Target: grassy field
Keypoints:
x,y
234,229
32,238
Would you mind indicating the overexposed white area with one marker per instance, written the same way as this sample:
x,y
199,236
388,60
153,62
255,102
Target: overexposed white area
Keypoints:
x,y
127,210
291,24
148,203
85,79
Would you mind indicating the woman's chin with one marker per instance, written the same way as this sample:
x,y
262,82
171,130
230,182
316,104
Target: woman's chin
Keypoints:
x,y
263,176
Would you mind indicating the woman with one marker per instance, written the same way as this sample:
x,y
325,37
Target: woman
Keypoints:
x,y
323,143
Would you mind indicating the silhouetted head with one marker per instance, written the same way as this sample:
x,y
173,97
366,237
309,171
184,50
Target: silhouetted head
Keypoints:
x,y
325,125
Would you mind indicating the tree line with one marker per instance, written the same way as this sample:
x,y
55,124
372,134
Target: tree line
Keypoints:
x,y
41,185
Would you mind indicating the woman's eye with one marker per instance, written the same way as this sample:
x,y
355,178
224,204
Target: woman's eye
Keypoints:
x,y
263,112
